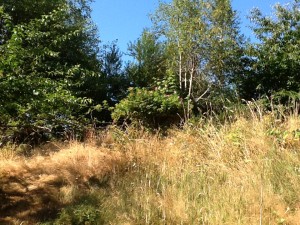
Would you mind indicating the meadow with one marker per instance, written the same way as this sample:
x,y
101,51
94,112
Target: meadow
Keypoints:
x,y
242,170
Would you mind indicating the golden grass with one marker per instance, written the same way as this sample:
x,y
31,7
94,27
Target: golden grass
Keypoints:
x,y
231,174
243,172
29,186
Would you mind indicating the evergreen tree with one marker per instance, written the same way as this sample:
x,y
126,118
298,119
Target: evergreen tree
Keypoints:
x,y
117,82
149,65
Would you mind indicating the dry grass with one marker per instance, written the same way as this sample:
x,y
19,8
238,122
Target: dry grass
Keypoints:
x,y
36,188
245,172
240,173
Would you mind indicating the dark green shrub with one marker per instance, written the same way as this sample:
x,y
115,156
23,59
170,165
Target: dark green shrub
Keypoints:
x,y
79,215
152,107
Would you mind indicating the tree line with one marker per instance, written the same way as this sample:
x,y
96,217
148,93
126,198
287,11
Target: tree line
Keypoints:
x,y
56,78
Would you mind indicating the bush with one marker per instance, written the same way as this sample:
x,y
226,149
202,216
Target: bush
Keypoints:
x,y
78,215
151,106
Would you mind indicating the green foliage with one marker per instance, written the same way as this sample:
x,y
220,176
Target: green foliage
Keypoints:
x,y
219,102
79,215
150,63
116,81
275,58
225,44
54,79
5,25
205,47
46,56
152,107
289,99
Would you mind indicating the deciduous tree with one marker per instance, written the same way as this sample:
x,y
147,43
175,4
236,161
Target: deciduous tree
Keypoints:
x,y
276,56
48,50
206,45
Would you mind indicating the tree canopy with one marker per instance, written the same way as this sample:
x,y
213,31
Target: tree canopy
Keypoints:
x,y
276,57
48,51
56,77
206,45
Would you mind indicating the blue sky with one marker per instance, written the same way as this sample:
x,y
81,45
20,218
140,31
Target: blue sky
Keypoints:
x,y
124,20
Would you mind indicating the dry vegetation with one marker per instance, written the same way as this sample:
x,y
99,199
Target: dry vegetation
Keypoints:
x,y
243,172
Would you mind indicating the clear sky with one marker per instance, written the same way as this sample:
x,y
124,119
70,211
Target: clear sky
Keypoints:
x,y
124,20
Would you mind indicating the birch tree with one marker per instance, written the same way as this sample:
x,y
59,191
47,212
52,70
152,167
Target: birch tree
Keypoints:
x,y
204,42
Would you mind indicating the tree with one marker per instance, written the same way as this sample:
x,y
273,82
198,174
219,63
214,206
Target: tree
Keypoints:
x,y
5,26
153,108
276,57
117,81
181,23
149,64
205,44
48,50
226,44
153,100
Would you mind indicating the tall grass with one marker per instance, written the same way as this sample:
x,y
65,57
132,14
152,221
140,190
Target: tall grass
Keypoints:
x,y
234,174
243,172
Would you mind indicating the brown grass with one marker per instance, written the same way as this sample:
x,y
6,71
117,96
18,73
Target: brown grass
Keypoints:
x,y
244,172
37,188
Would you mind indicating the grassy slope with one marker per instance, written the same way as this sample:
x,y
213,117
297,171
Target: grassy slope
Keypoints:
x,y
245,172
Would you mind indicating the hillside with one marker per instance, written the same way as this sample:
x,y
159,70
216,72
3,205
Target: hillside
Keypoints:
x,y
241,172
